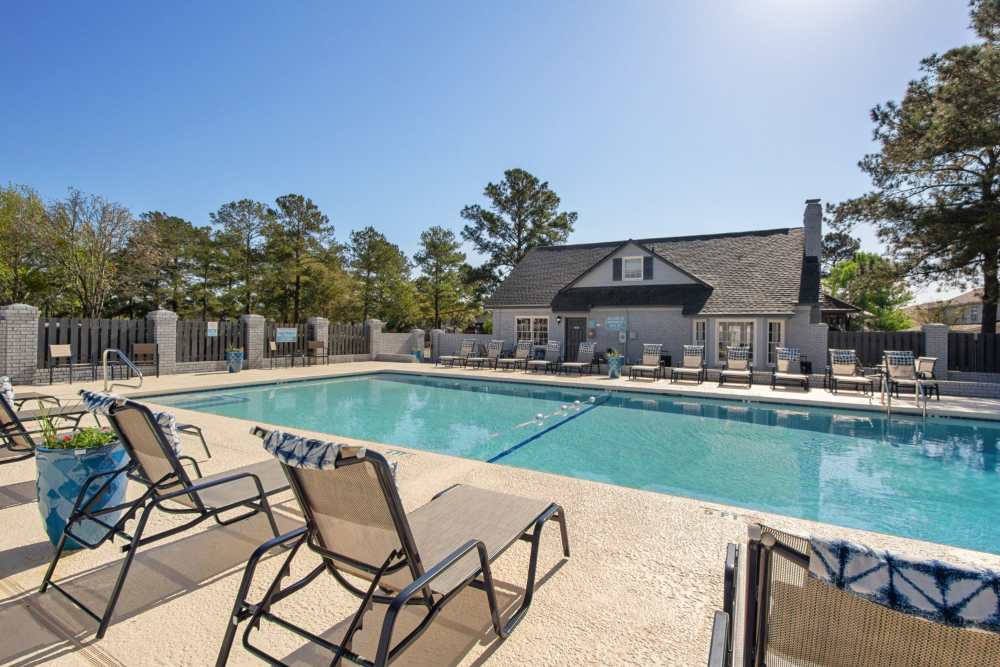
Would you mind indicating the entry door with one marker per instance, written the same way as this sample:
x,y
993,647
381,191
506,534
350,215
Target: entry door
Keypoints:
x,y
576,333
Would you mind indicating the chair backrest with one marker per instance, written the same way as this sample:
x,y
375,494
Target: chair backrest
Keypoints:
x,y
899,364
813,614
552,351
494,348
737,357
787,359
316,346
651,354
64,351
272,346
694,355
351,507
843,362
523,349
143,351
925,366
467,347
585,353
141,433
11,427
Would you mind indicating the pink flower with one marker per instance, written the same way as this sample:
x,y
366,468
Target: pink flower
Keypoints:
x,y
65,438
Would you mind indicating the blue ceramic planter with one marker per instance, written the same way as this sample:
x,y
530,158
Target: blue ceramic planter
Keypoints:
x,y
234,361
615,366
61,474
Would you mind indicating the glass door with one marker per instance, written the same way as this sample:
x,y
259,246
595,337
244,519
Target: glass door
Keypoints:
x,y
735,333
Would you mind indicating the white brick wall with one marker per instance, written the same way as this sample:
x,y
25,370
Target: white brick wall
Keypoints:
x,y
19,337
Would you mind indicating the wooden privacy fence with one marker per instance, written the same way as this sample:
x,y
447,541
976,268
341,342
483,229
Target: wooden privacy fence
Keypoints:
x,y
870,345
89,338
194,343
271,331
347,339
974,352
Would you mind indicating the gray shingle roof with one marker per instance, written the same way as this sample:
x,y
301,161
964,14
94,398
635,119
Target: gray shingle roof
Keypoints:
x,y
759,272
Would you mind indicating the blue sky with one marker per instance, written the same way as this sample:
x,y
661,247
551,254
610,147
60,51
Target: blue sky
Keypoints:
x,y
647,118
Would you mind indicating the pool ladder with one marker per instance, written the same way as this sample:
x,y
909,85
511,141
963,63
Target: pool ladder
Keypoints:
x,y
123,359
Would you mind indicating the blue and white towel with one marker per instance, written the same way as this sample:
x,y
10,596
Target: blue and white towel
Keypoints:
x,y
737,352
843,356
300,452
938,592
899,357
694,350
7,390
787,353
100,403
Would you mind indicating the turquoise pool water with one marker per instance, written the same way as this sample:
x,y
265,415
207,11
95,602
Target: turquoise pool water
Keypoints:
x,y
935,481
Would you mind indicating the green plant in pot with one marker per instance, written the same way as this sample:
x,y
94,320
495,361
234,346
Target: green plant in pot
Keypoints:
x,y
234,359
67,463
615,363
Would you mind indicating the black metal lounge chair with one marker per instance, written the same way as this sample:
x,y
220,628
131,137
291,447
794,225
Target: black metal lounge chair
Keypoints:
x,y
650,362
823,602
584,359
356,524
156,466
520,358
787,371
549,363
25,396
274,352
845,369
493,351
17,442
692,365
737,365
316,350
62,356
465,350
925,371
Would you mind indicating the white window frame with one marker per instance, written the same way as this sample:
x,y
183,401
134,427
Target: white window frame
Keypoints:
x,y
771,345
538,329
720,349
625,261
704,333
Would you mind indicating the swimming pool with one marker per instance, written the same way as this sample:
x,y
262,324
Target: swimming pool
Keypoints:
x,y
935,481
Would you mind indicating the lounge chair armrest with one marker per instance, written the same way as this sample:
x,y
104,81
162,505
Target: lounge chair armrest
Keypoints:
x,y
718,649
433,573
82,495
201,486
194,464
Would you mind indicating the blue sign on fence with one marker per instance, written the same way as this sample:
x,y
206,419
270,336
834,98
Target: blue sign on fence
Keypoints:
x,y
615,323
286,335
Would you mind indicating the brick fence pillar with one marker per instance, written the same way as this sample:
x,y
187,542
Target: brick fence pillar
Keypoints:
x,y
374,337
254,331
417,342
19,337
936,345
436,344
319,329
164,324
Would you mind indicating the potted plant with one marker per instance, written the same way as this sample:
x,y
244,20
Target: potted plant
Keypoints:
x,y
65,461
234,359
615,363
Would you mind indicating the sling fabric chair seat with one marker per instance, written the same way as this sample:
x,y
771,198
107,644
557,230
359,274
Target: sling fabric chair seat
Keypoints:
x,y
493,350
901,371
820,601
520,358
737,366
356,524
846,369
551,360
693,363
584,359
465,351
154,464
72,413
650,362
925,371
784,372
17,443
26,396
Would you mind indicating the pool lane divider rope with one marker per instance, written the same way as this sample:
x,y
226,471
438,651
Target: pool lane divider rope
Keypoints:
x,y
600,401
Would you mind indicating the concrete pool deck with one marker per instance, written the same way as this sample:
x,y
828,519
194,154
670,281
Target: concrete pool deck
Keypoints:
x,y
640,587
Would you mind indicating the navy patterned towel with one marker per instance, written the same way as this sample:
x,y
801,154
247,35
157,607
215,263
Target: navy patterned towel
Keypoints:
x,y
899,357
737,353
300,452
787,353
694,350
100,403
938,592
843,357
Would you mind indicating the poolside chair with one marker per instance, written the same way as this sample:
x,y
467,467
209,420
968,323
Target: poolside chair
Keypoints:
x,y
357,526
737,365
822,602
61,356
146,355
650,362
16,441
274,352
465,350
584,359
925,371
845,368
493,350
787,371
520,358
316,350
549,363
693,364
155,465
900,371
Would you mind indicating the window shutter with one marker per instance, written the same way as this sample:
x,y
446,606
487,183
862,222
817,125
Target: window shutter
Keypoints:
x,y
616,268
647,268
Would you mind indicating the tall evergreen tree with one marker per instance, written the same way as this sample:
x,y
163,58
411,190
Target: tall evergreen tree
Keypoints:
x,y
296,239
936,176
241,225
382,273
440,260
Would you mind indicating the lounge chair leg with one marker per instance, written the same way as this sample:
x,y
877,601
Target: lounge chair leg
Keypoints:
x,y
123,573
52,566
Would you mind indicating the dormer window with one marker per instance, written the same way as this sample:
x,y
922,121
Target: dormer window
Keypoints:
x,y
631,268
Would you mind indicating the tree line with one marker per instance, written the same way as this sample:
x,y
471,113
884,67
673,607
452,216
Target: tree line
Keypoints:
x,y
87,256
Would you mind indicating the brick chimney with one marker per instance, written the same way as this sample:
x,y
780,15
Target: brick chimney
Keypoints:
x,y
812,220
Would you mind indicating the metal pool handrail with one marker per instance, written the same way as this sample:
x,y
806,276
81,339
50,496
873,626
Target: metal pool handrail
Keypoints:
x,y
123,358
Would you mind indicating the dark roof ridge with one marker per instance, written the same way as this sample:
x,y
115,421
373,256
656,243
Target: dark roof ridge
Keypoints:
x,y
664,239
